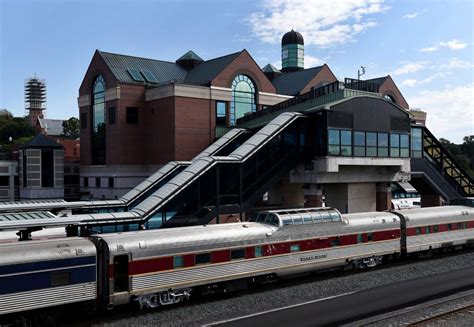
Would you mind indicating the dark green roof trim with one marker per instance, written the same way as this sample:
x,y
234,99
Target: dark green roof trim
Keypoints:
x,y
269,68
41,141
190,55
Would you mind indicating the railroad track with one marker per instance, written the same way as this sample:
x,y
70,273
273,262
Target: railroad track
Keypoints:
x,y
424,314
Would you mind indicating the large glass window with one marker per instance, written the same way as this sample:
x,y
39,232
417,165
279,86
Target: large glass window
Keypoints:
x,y
394,145
359,144
220,114
371,140
382,148
404,145
346,143
334,142
416,142
243,98
98,121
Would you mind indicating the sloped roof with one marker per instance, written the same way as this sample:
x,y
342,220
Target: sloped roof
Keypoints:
x,y
190,55
205,72
378,80
269,68
164,71
42,141
292,83
51,126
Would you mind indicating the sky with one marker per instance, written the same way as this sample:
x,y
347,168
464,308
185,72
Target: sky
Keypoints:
x,y
426,46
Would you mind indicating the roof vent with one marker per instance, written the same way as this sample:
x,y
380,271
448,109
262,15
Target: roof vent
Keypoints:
x,y
189,60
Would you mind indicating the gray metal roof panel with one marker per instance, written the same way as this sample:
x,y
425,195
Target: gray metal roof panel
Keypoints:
x,y
205,72
164,71
51,126
293,83
41,141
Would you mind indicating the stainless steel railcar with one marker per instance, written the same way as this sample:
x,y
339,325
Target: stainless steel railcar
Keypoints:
x,y
160,267
46,273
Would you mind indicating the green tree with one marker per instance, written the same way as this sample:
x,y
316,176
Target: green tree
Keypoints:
x,y
14,127
71,128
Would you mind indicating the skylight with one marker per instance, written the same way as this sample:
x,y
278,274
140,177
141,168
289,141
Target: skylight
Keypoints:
x,y
149,76
135,74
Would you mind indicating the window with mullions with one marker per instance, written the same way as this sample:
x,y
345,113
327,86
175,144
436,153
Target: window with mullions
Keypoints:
x,y
382,146
221,119
371,141
404,145
394,145
340,142
243,98
416,143
399,145
98,121
359,144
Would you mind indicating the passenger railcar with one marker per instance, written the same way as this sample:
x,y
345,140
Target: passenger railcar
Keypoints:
x,y
46,273
159,267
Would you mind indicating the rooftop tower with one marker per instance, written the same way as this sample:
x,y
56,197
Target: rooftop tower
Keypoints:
x,y
292,52
35,98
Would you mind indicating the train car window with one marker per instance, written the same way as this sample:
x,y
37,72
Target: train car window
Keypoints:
x,y
464,225
60,278
297,220
287,221
359,238
336,242
294,248
272,220
418,231
325,216
335,216
306,217
427,229
237,254
202,258
435,229
178,261
369,237
261,217
450,227
258,251
316,217
459,226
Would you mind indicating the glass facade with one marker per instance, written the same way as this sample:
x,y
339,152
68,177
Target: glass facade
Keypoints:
x,y
243,98
221,117
416,143
98,121
367,144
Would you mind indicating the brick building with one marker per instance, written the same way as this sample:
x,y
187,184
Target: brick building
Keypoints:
x,y
137,114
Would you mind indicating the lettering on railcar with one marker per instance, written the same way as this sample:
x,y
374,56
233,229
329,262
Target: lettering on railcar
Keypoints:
x,y
314,257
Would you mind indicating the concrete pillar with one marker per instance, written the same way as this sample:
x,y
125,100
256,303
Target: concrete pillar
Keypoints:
x,y
351,197
292,194
336,196
313,196
275,195
431,200
384,197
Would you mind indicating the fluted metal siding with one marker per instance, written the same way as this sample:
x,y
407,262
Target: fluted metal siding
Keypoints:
x,y
236,269
16,302
435,240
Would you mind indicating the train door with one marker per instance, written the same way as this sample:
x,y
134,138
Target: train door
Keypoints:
x,y
121,273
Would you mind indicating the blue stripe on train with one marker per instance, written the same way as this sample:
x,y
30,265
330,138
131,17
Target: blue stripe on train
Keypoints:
x,y
42,265
43,280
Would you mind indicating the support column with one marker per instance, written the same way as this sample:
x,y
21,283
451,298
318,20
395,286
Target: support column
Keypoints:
x,y
292,195
431,200
383,197
313,196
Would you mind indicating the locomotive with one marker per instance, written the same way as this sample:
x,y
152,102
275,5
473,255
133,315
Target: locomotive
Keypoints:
x,y
165,266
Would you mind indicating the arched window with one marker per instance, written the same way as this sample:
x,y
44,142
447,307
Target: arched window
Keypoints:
x,y
389,98
98,121
243,98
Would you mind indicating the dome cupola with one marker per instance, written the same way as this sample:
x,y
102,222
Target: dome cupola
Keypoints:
x,y
292,51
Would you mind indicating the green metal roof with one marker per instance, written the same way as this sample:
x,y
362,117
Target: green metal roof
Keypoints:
x,y
164,71
292,83
205,72
41,141
269,68
190,55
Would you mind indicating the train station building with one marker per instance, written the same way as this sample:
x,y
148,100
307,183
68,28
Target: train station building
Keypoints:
x,y
138,114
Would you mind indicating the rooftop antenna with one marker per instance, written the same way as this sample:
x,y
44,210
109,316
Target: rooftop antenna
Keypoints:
x,y
359,74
